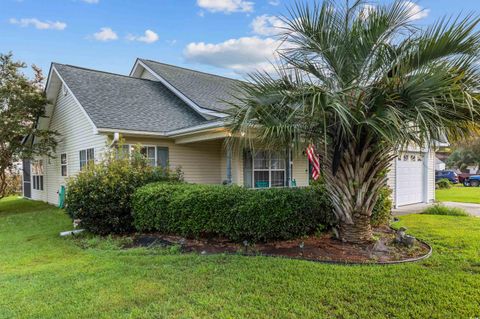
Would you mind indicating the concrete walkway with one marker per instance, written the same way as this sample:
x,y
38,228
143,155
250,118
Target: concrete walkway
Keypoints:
x,y
472,209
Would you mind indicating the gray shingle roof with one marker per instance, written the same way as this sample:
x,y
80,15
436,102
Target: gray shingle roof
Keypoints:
x,y
122,102
206,90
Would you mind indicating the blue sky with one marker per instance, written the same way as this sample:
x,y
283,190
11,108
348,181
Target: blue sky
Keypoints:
x,y
225,37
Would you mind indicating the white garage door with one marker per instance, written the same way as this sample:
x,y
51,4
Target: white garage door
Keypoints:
x,y
410,178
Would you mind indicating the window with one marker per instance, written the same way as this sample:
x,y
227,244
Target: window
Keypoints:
x,y
149,153
156,155
86,156
265,169
37,175
63,164
123,152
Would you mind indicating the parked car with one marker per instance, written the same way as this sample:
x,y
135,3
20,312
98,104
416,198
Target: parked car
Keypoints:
x,y
463,176
473,181
450,175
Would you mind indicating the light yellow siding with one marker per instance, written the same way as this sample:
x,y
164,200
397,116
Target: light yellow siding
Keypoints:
x,y
200,162
300,170
76,133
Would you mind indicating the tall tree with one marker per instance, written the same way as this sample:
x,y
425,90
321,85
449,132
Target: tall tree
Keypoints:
x,y
466,153
22,103
361,82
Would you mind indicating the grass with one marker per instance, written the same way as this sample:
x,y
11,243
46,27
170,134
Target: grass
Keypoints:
x,y
444,210
45,276
459,193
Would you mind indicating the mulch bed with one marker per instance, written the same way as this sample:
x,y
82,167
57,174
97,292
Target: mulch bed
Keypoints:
x,y
323,248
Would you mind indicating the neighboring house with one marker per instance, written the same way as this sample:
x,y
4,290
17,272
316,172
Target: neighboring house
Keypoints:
x,y
439,164
177,115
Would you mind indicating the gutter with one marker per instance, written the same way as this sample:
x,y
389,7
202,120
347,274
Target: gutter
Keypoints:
x,y
168,134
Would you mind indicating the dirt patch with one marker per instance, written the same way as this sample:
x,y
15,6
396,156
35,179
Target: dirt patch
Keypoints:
x,y
318,248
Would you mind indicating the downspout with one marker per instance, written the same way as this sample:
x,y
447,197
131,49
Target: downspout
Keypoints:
x,y
116,138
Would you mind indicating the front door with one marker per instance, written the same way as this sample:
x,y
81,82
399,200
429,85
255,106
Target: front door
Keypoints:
x,y
27,180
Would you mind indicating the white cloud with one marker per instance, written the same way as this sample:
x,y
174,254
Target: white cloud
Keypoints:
x,y
91,1
226,6
416,11
267,25
41,25
105,34
274,2
241,55
148,37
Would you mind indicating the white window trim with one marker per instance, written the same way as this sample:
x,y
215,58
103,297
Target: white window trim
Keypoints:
x,y
35,184
66,165
270,170
86,157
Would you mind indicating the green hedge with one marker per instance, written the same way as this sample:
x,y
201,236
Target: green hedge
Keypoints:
x,y
100,195
232,212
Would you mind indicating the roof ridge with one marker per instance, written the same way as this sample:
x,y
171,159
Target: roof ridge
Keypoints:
x,y
184,68
104,72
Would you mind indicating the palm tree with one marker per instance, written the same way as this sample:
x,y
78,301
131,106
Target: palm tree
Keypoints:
x,y
361,82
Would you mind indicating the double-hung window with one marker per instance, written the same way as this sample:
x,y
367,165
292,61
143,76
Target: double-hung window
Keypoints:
x,y
86,157
265,169
155,155
63,164
37,175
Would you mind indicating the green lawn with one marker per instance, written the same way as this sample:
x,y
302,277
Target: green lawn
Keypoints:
x,y
45,276
458,193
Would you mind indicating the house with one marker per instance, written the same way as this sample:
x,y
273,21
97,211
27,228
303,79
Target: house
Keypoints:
x,y
439,164
178,116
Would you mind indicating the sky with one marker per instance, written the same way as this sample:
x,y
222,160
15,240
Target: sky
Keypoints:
x,y
226,37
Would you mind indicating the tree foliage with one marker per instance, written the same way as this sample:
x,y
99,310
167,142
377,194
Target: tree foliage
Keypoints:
x,y
22,103
466,153
360,82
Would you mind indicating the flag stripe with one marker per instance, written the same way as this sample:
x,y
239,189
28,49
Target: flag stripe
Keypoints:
x,y
314,160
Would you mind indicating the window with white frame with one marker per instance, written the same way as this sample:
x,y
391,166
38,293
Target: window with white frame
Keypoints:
x,y
37,175
86,156
63,164
155,155
265,169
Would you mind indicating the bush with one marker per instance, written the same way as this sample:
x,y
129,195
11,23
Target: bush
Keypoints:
x,y
444,183
233,212
382,211
13,184
444,210
100,195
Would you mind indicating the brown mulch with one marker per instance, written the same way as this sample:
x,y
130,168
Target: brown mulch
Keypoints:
x,y
318,248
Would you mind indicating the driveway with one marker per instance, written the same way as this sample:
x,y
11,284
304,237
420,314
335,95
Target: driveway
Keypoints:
x,y
472,209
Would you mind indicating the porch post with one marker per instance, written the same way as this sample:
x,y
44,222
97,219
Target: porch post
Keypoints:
x,y
229,164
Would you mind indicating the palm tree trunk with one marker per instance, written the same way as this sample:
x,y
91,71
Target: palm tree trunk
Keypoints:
x,y
354,188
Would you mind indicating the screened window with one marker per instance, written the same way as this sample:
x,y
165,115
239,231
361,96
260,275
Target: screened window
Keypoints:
x,y
63,164
86,157
265,169
37,175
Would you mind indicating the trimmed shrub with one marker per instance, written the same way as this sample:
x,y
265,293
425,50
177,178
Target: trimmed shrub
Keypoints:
x,y
444,183
100,195
233,212
438,209
382,210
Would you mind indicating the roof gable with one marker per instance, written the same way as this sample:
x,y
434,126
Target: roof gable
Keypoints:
x,y
207,91
121,102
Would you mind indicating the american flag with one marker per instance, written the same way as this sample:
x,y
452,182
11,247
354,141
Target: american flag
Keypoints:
x,y
314,160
